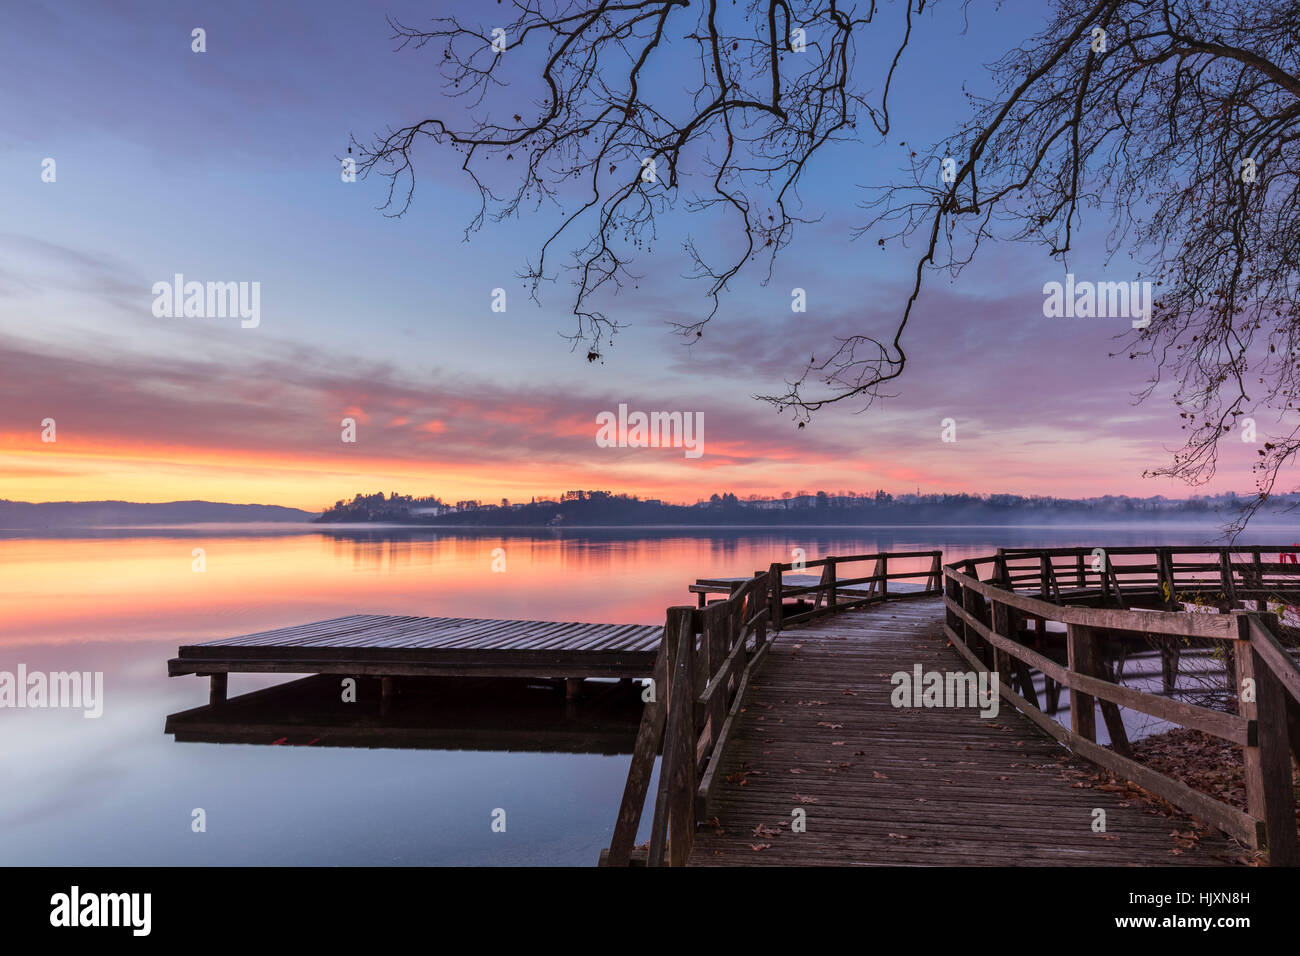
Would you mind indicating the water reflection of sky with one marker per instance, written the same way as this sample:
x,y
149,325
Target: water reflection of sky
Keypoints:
x,y
116,790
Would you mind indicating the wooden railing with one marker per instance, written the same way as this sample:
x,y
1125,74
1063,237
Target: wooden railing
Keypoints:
x,y
835,592
989,601
704,666
1154,577
706,661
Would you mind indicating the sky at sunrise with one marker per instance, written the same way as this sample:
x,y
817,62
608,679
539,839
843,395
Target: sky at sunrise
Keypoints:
x,y
224,166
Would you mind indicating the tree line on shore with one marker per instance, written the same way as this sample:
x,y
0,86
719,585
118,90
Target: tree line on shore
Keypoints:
x,y
803,507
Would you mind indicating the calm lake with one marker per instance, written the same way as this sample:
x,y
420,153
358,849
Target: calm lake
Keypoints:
x,y
117,790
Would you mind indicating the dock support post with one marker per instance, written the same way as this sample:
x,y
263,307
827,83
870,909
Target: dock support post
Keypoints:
x,y
1110,714
217,689
572,688
1169,653
1052,690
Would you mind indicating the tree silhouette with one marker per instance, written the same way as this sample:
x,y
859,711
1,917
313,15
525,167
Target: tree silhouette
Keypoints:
x,y
613,147
1177,121
1181,122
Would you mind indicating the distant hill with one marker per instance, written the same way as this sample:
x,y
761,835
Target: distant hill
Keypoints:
x,y
99,514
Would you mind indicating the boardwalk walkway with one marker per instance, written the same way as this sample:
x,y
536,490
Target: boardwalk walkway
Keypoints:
x,y
912,786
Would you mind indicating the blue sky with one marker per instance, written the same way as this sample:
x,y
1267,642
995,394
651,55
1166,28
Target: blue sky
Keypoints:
x,y
222,166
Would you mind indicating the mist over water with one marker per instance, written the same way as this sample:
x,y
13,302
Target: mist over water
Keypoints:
x,y
117,790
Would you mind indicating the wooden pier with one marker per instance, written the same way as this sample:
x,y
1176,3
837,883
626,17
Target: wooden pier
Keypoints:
x,y
388,646
782,743
910,786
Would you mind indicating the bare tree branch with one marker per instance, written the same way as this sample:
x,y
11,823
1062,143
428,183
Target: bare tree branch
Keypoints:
x,y
775,85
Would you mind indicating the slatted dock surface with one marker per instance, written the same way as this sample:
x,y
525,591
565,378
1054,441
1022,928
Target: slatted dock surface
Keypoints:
x,y
396,645
912,786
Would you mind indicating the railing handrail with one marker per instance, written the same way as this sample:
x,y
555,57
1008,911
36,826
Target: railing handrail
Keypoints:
x,y
1144,549
981,624
1183,624
828,588
1161,577
845,558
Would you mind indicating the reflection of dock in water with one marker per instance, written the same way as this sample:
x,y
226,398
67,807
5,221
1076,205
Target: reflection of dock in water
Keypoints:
x,y
433,713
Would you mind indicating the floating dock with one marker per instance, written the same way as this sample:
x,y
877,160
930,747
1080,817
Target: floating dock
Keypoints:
x,y
383,645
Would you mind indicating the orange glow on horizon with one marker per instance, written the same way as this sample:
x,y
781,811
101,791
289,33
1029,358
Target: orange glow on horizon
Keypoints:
x,y
77,468
89,471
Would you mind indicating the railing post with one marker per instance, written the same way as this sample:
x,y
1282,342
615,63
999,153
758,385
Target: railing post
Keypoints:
x,y
1261,604
952,593
1082,660
1226,578
1269,798
774,582
679,639
681,782
1001,659
1165,574
649,736
719,648
675,817
973,604
1004,574
823,584
884,577
832,596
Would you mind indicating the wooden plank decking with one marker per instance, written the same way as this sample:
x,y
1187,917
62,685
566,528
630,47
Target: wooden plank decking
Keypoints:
x,y
389,646
911,786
